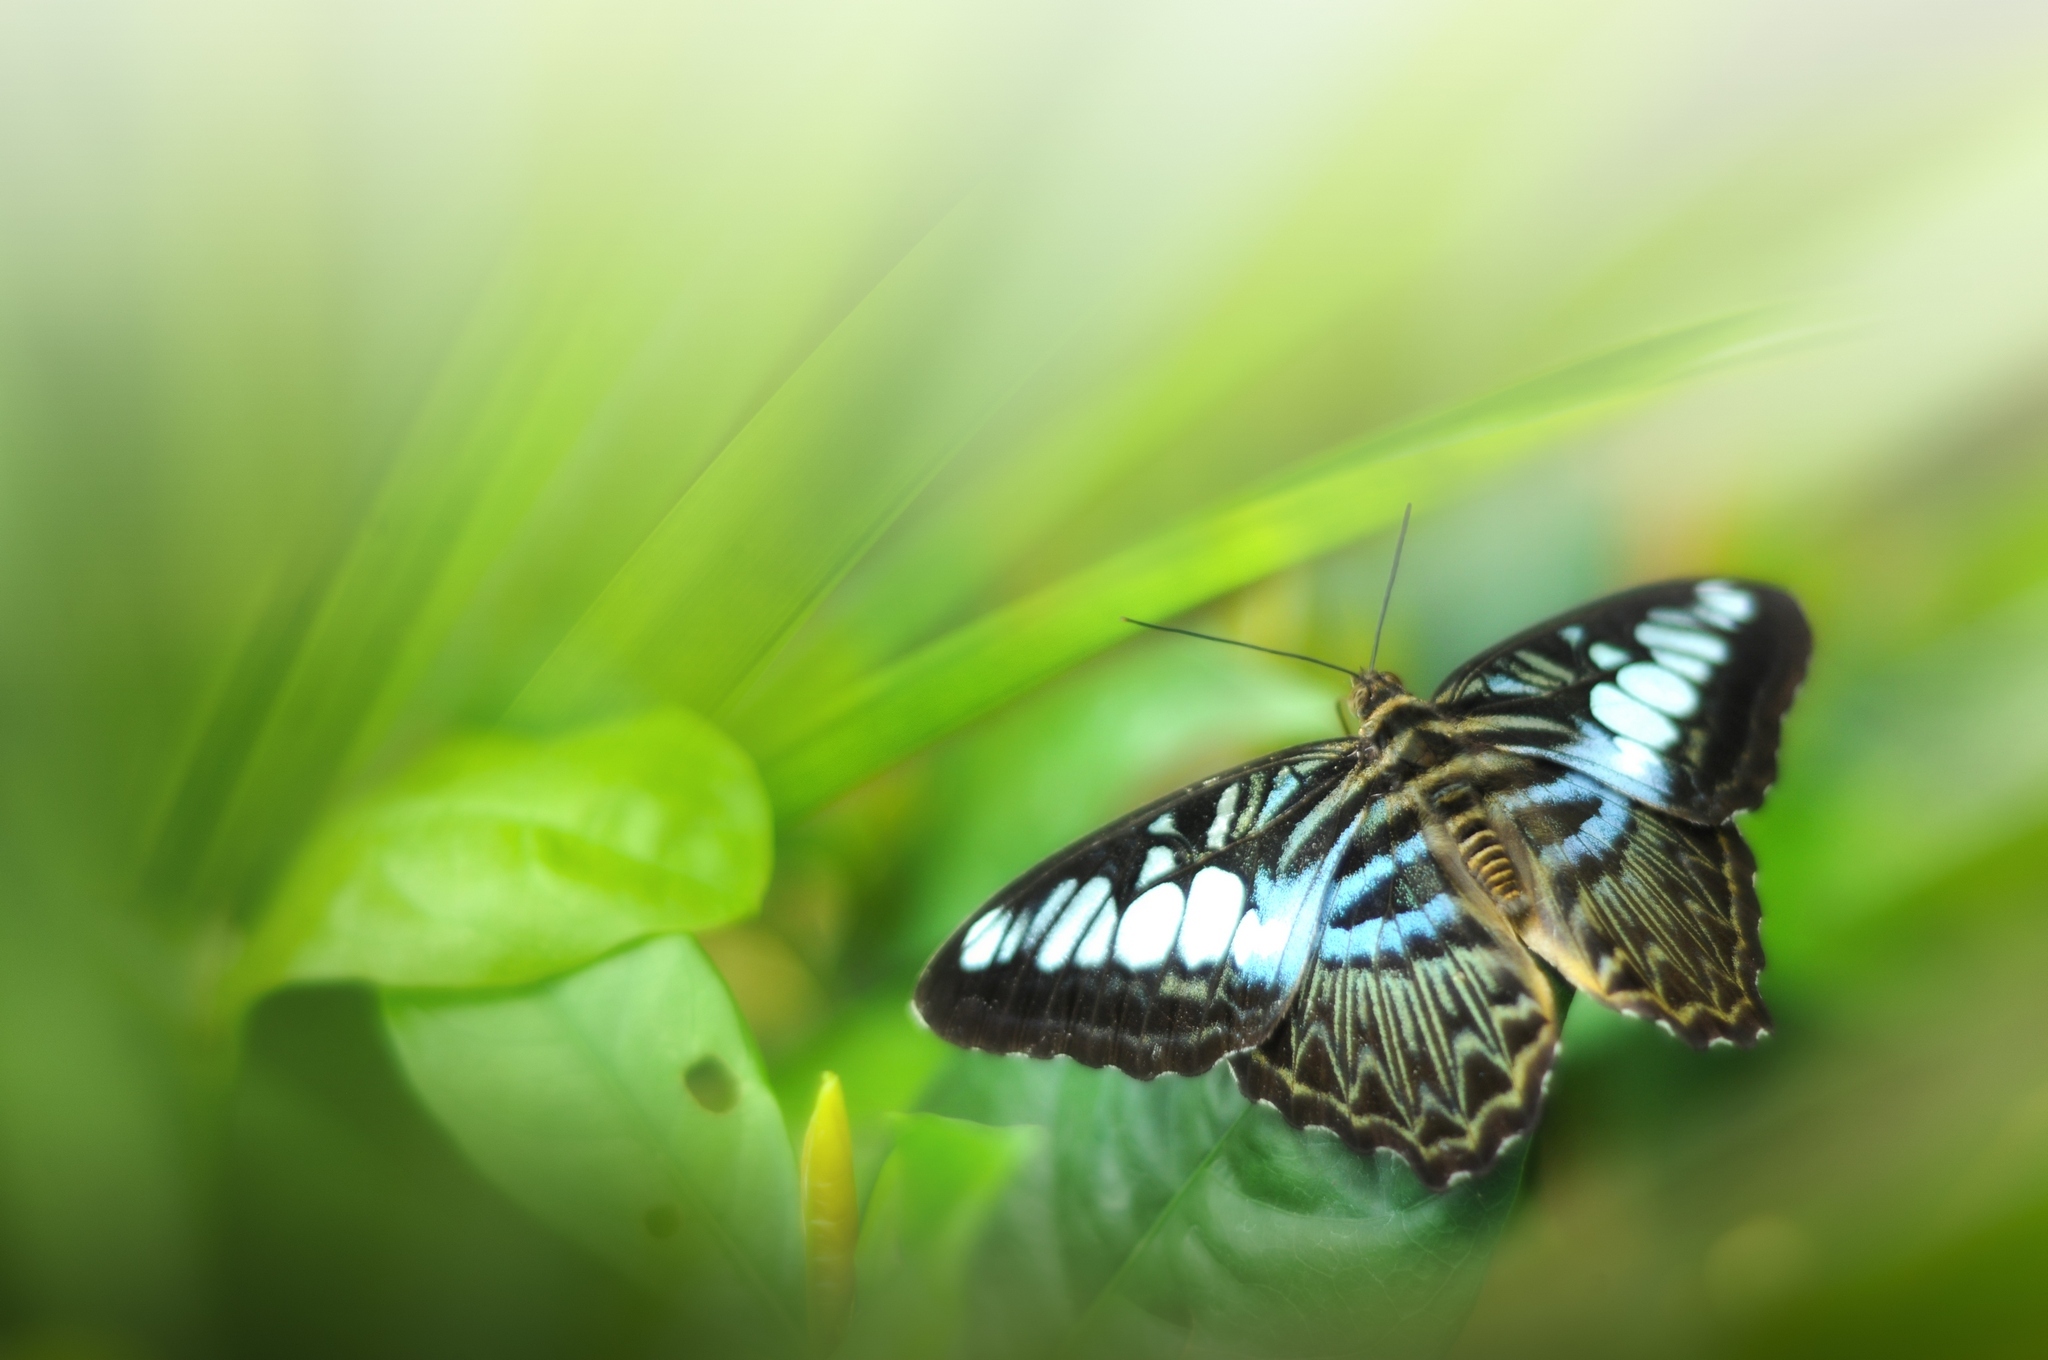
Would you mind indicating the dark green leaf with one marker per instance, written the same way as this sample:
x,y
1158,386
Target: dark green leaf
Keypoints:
x,y
1174,1218
497,861
625,1105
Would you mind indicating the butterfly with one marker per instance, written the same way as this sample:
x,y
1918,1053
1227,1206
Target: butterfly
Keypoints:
x,y
1355,924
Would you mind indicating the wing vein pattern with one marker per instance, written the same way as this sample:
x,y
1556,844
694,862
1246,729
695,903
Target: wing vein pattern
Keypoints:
x,y
1356,924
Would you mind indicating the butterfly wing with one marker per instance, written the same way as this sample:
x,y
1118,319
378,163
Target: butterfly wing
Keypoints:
x,y
1652,914
1168,938
1670,693
1422,1025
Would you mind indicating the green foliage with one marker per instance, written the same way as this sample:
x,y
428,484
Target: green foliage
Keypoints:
x,y
625,1105
815,750
1173,1218
466,478
495,861
925,1220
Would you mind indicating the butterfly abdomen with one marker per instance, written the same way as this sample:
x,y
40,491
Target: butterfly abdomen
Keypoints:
x,y
1479,846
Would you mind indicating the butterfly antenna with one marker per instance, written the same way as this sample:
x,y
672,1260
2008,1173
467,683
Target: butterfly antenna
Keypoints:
x,y
1249,646
1392,572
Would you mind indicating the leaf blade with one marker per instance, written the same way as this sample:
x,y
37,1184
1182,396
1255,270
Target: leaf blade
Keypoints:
x,y
1187,1221
811,752
624,1105
497,861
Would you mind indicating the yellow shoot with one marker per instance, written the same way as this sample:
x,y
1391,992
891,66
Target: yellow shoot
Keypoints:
x,y
831,1215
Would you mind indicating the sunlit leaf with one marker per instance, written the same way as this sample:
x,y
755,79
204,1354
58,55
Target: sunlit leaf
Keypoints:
x,y
498,860
812,750
1181,1219
625,1105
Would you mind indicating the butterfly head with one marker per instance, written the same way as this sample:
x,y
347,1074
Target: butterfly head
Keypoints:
x,y
1371,689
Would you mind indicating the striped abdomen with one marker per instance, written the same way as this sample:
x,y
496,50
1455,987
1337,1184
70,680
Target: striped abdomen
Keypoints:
x,y
1477,844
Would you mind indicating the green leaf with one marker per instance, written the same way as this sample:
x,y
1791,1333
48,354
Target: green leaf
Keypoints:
x,y
625,1105
1173,1217
930,1205
811,751
497,861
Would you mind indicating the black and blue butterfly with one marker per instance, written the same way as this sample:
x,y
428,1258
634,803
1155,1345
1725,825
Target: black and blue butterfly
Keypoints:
x,y
1355,924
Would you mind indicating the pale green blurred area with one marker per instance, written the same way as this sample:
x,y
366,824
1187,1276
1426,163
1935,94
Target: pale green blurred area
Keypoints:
x,y
371,370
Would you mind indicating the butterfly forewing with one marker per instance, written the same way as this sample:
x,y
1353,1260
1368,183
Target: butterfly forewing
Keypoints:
x,y
1671,694
1167,939
1422,1025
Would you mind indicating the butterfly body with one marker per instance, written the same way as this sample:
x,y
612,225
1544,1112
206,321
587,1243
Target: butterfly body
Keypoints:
x,y
1354,924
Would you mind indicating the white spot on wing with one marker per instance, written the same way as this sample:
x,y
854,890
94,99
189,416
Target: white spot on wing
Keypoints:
x,y
1094,947
978,950
1607,656
1627,717
1215,901
1226,810
1572,633
1690,641
1730,602
1659,688
1013,937
1066,932
1148,928
1041,920
1159,862
1691,667
1162,825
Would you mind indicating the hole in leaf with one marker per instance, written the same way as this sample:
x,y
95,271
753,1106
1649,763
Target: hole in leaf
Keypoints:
x,y
712,1085
662,1220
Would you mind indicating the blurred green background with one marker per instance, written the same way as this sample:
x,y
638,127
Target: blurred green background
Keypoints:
x,y
411,414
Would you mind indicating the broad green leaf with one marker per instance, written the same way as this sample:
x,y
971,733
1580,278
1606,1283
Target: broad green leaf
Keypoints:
x,y
930,1205
812,750
1172,1218
497,860
625,1105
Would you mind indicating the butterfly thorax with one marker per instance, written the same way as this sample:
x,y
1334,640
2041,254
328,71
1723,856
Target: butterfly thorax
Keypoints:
x,y
1407,744
1399,735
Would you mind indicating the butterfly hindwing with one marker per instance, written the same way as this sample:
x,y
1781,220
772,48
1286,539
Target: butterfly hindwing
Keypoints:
x,y
1651,914
1167,939
1670,693
1422,1025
